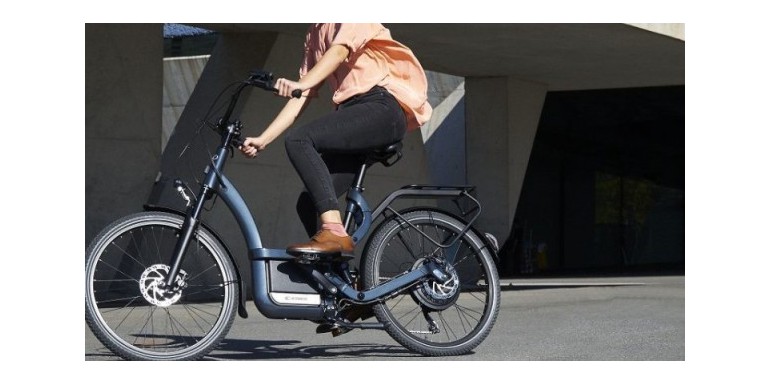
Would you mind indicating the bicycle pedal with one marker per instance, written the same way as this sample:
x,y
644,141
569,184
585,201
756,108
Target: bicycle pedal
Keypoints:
x,y
307,259
334,328
311,258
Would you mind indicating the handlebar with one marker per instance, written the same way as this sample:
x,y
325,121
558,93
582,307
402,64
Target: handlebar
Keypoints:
x,y
265,81
231,132
261,79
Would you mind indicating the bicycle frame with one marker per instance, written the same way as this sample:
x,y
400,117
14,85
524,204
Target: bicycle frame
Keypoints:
x,y
426,275
265,262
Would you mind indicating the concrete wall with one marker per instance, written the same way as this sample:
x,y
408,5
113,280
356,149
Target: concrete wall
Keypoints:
x,y
675,30
498,144
124,86
444,134
463,144
482,131
180,76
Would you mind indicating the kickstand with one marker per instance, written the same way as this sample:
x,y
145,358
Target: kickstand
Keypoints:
x,y
433,327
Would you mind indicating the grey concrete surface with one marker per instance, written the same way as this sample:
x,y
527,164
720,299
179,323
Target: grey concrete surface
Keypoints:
x,y
568,56
123,92
544,319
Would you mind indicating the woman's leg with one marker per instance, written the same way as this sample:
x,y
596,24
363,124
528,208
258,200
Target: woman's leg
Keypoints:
x,y
372,120
342,169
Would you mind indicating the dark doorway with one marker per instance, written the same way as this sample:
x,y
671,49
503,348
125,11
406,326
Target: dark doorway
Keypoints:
x,y
604,189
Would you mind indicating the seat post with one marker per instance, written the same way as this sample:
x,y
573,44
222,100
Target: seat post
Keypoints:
x,y
359,182
358,185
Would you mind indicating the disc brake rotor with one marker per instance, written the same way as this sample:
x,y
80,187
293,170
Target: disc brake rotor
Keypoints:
x,y
153,289
436,295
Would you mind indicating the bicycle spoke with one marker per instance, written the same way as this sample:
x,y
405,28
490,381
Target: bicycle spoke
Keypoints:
x,y
141,330
181,328
417,308
462,316
193,318
157,246
120,271
466,311
408,248
202,311
461,260
190,279
114,280
126,253
446,326
132,298
124,318
477,298
421,240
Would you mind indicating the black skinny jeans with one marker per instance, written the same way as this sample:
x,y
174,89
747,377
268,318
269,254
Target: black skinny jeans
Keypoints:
x,y
327,151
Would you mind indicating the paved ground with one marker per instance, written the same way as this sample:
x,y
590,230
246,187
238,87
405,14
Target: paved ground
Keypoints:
x,y
578,319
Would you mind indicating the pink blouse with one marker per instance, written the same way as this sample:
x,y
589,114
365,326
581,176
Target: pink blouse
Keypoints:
x,y
375,59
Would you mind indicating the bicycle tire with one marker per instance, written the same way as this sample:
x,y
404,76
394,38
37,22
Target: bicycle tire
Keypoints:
x,y
135,318
466,309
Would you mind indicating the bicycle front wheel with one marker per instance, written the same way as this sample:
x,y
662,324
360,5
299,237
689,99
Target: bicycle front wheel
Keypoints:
x,y
130,310
433,318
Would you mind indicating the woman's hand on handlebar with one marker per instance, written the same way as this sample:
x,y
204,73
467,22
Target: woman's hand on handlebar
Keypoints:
x,y
252,146
285,87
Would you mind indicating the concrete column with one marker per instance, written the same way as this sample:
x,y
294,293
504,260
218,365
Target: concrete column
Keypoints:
x,y
233,57
124,90
501,121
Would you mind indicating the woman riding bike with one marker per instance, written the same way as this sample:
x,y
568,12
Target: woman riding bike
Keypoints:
x,y
379,91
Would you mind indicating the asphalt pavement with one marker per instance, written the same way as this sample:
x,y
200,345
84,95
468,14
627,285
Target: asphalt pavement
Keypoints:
x,y
540,319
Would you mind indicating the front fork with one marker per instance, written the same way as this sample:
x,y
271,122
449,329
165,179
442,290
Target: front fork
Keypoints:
x,y
192,220
189,227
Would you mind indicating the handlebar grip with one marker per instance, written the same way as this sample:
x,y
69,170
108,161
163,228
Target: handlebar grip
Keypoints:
x,y
296,93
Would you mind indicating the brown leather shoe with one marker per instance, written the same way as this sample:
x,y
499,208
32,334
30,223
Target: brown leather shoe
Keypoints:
x,y
324,242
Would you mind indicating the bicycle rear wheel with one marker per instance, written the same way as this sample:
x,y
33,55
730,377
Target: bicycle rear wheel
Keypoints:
x,y
432,318
130,311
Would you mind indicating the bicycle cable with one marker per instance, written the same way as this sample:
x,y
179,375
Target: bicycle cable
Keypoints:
x,y
198,140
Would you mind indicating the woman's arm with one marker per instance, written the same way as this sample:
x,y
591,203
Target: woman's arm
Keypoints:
x,y
328,63
293,108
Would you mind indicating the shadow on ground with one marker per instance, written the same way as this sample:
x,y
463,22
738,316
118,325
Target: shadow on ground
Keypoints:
x,y
241,349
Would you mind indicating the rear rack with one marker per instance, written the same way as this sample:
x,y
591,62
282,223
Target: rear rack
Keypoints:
x,y
428,192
